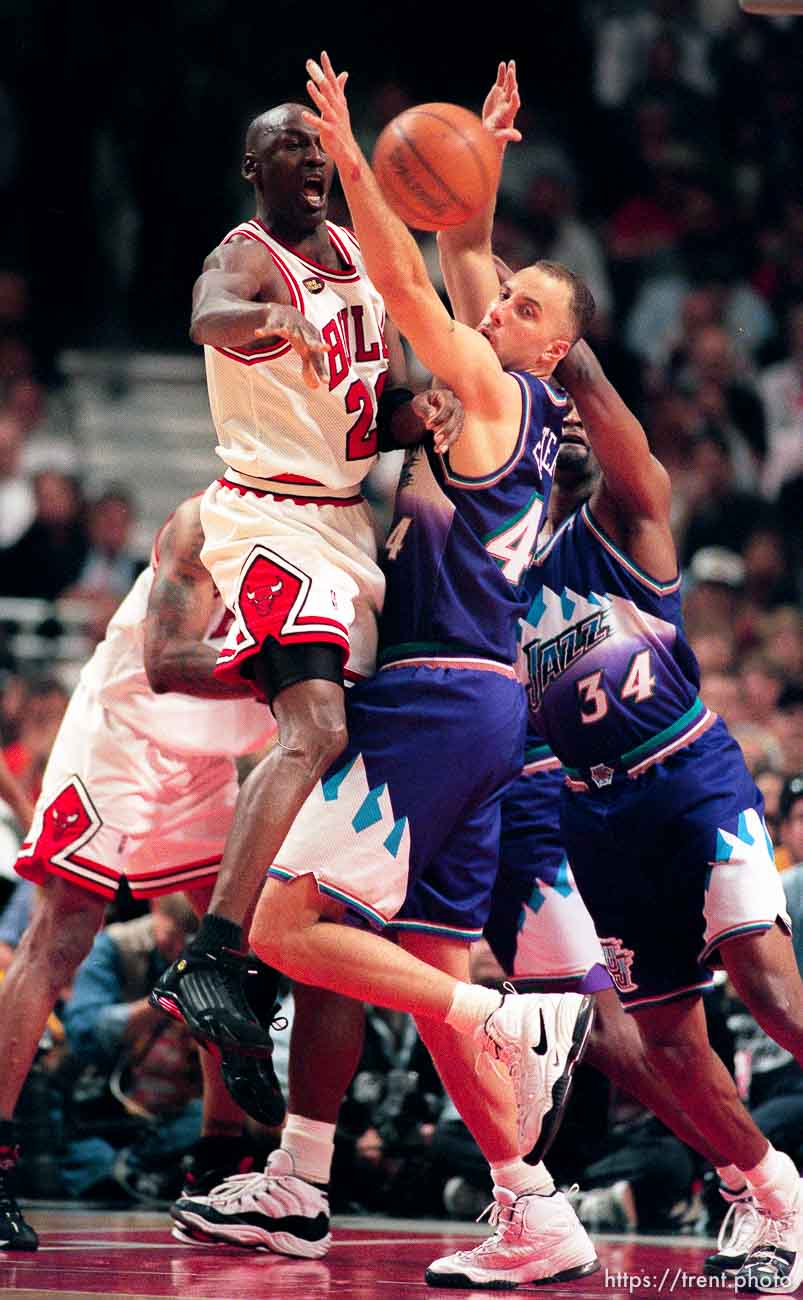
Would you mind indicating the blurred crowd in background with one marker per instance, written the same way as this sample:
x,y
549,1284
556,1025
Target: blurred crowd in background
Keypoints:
x,y
661,162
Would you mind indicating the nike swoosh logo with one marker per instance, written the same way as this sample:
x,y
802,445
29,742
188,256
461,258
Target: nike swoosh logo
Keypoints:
x,y
540,1047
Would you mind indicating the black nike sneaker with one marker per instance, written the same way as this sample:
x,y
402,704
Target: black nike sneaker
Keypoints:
x,y
15,1233
205,991
251,1080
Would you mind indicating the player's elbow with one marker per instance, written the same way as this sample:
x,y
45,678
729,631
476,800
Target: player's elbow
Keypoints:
x,y
156,675
198,329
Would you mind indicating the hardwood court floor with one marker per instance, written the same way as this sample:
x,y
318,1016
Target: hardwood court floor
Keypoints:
x,y
121,1255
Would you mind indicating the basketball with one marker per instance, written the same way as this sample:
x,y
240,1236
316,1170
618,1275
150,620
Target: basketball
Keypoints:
x,y
436,165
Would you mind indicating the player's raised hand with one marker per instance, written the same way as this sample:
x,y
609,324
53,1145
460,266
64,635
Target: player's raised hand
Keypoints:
x,y
287,323
442,413
326,90
502,103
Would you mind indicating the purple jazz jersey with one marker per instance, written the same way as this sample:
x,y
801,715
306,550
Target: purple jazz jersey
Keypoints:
x,y
613,682
458,549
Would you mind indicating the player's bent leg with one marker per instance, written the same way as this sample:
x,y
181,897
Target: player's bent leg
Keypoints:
x,y
538,1037
677,1045
60,935
764,972
537,1236
237,1084
203,988
616,1049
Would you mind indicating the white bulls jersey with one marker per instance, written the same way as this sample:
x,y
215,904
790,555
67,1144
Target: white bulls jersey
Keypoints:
x,y
269,424
184,724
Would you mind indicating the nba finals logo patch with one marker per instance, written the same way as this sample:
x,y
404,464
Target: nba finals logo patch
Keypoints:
x,y
619,963
601,774
313,285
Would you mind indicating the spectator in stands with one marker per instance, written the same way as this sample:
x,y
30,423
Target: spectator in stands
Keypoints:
x,y
787,726
761,681
783,634
551,220
713,646
152,1062
14,920
50,554
790,813
759,746
26,757
624,39
716,580
770,782
722,514
716,382
782,383
110,566
722,694
655,318
17,502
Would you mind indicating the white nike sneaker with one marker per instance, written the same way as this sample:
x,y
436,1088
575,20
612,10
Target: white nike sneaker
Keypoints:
x,y
535,1239
274,1210
539,1037
775,1262
738,1234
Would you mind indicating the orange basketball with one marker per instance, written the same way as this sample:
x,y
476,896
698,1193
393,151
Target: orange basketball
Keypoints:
x,y
436,165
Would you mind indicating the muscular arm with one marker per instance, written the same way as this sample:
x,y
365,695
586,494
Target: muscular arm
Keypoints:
x,y
230,297
634,496
470,271
241,301
463,359
180,606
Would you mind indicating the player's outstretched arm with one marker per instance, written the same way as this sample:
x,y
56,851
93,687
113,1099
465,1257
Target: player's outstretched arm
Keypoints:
x,y
637,482
461,357
466,257
240,301
179,609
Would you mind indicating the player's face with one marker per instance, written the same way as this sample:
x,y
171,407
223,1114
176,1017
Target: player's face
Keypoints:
x,y
292,172
576,462
529,322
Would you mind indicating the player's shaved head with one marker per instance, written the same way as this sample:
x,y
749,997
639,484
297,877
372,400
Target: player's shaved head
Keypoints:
x,y
271,121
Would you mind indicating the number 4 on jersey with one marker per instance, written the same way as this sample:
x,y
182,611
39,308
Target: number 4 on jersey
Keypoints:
x,y
513,546
638,685
395,538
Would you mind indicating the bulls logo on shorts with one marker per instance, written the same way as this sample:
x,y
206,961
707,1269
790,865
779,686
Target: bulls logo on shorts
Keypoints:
x,y
68,823
267,595
619,964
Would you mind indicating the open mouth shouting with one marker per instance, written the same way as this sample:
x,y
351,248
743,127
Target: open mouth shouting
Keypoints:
x,y
313,190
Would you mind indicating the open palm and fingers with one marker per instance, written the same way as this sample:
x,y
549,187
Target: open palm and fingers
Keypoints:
x,y
326,89
502,103
305,339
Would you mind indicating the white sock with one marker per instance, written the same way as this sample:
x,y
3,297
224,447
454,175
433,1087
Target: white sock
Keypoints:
x,y
471,1006
522,1178
311,1143
731,1177
774,1182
